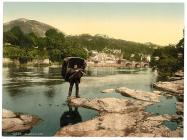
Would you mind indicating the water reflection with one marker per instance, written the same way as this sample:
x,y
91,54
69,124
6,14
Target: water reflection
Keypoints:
x,y
50,92
105,71
18,76
71,116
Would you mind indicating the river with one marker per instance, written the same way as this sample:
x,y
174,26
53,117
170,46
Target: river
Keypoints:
x,y
41,91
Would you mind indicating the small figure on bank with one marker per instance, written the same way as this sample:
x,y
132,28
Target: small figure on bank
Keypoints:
x,y
73,69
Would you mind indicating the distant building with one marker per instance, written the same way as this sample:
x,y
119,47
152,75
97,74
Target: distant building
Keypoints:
x,y
156,57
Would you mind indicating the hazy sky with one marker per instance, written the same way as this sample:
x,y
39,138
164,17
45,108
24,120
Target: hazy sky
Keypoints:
x,y
160,23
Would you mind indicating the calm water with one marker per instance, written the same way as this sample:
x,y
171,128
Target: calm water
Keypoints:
x,y
41,91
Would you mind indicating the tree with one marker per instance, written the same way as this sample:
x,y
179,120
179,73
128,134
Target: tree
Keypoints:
x,y
54,39
171,59
9,37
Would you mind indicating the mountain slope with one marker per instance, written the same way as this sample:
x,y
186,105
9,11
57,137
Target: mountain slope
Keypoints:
x,y
28,26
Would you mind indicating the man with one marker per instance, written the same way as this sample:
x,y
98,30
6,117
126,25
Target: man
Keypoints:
x,y
74,75
73,69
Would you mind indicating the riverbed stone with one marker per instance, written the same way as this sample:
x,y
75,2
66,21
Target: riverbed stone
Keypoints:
x,y
175,87
17,122
138,94
110,90
180,73
114,105
8,114
114,122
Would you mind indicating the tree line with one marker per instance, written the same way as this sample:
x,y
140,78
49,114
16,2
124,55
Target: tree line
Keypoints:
x,y
56,46
26,47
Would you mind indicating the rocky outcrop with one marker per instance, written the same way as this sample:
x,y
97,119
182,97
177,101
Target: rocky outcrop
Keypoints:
x,y
175,87
180,73
110,105
17,122
117,117
140,95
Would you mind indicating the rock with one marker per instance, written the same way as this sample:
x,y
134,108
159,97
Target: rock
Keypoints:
x,y
122,122
109,104
180,108
14,124
179,73
140,95
8,114
175,78
114,122
93,133
108,90
157,92
17,122
175,87
26,118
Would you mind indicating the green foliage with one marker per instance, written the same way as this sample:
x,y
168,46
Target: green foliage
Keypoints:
x,y
25,47
55,55
10,37
54,39
171,59
76,52
99,43
56,46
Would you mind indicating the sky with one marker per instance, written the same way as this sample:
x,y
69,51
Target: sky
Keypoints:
x,y
159,23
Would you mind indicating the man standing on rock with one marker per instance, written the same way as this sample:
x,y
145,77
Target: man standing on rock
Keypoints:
x,y
73,69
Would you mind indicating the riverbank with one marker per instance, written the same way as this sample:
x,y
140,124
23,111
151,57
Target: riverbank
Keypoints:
x,y
173,87
47,62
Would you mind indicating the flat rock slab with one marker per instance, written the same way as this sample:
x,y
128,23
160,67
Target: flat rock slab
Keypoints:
x,y
176,87
112,105
8,114
110,90
118,117
17,122
140,95
139,124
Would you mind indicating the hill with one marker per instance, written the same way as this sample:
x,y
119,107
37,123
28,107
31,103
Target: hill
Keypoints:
x,y
28,26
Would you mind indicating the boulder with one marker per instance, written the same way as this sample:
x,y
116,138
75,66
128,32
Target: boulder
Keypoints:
x,y
140,95
17,122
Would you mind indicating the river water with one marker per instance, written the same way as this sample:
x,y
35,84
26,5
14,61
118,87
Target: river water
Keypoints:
x,y
41,91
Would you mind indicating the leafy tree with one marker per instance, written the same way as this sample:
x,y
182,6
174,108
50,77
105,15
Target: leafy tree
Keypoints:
x,y
54,39
171,59
10,38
